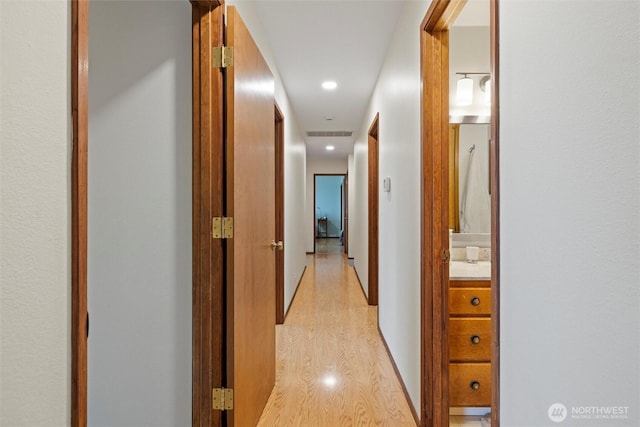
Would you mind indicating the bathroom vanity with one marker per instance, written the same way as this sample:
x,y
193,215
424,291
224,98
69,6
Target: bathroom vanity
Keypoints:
x,y
470,334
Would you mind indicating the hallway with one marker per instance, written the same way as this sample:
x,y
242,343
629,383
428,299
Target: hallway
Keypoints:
x,y
332,367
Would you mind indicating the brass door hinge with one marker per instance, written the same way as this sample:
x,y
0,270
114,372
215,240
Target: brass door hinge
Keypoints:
x,y
222,228
222,57
223,399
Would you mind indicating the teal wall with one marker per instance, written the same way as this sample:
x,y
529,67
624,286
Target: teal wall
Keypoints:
x,y
328,202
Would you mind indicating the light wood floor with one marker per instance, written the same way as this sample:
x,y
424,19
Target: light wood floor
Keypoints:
x,y
332,367
329,245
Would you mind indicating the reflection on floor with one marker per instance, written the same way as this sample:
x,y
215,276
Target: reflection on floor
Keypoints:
x,y
332,367
329,245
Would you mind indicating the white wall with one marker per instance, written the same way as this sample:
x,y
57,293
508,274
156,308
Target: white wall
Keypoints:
x,y
139,252
317,166
570,209
359,210
469,50
397,99
350,200
294,161
35,290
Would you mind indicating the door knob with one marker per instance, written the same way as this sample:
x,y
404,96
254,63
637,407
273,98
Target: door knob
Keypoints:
x,y
277,245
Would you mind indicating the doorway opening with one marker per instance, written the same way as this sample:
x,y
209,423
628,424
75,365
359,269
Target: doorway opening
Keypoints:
x,y
208,295
330,207
279,165
438,380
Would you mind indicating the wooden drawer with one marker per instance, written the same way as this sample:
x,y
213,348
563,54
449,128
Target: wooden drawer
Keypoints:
x,y
469,301
470,384
457,283
470,339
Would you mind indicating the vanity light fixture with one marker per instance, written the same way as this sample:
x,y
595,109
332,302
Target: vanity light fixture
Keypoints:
x,y
329,85
464,91
464,88
330,147
485,86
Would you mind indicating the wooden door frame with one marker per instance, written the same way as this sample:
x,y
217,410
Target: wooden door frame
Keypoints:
x,y
434,58
79,218
374,206
209,294
208,140
345,236
280,199
314,202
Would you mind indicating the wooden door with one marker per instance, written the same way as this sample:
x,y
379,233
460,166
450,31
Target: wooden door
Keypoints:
x,y
279,162
374,188
250,174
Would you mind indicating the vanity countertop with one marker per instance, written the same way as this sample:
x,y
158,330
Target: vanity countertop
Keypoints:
x,y
462,270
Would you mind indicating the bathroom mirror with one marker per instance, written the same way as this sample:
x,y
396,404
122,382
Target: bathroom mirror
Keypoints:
x,y
469,185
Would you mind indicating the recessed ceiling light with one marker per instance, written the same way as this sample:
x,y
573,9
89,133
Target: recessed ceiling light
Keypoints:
x,y
330,148
329,118
329,85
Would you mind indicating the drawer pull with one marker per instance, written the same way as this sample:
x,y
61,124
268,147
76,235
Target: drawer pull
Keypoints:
x,y
475,385
475,301
475,339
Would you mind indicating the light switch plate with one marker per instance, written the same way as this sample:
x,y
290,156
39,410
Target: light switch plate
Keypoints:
x,y
386,184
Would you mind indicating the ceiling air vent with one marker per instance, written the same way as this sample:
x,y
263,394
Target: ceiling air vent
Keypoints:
x,y
334,134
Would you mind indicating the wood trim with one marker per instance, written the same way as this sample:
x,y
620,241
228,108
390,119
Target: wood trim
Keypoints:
x,y
494,159
208,257
373,205
434,58
345,236
280,198
295,293
454,177
207,3
441,14
79,164
399,376
435,206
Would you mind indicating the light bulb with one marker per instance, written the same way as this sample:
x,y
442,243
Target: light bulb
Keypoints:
x,y
329,85
464,91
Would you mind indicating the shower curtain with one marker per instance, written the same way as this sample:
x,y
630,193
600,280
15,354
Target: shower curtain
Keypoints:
x,y
475,207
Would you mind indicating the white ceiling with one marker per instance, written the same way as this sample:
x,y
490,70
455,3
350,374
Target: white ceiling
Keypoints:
x,y
345,41
314,41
